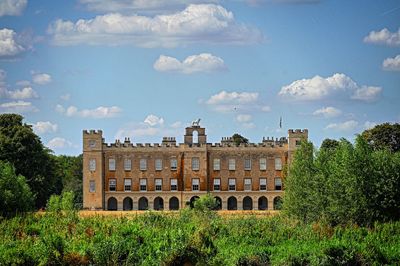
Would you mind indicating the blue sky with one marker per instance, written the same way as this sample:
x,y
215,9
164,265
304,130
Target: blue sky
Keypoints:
x,y
146,69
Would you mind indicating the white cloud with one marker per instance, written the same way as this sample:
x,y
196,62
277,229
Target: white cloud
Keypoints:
x,y
12,7
328,112
135,6
41,78
345,126
392,64
369,124
367,94
23,83
17,107
19,94
206,23
153,120
195,63
383,36
266,108
59,143
43,127
318,88
99,112
9,43
243,118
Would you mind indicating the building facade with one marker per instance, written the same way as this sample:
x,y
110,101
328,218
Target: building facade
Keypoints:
x,y
169,176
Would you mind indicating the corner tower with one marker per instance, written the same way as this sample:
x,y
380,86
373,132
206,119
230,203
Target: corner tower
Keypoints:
x,y
93,172
295,137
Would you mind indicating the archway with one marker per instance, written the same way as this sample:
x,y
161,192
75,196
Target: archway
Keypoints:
x,y
262,203
173,203
219,203
143,204
112,204
192,200
158,204
232,203
127,204
278,203
195,137
247,203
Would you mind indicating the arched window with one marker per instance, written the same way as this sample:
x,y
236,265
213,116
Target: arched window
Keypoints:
x,y
278,203
112,204
219,203
192,200
195,135
143,204
127,204
232,203
247,203
262,203
173,203
158,204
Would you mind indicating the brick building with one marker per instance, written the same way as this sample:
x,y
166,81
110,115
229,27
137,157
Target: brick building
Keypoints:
x,y
124,176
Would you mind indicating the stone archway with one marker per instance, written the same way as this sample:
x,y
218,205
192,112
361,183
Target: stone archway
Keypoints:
x,y
263,203
232,203
218,200
143,204
173,203
158,204
127,204
278,203
112,204
247,203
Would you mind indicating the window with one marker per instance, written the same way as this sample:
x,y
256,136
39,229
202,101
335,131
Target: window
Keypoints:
x,y
174,184
278,164
232,164
92,165
158,164
92,186
127,164
158,184
127,184
143,164
112,185
92,143
278,183
263,164
143,185
263,184
195,163
195,184
217,164
232,184
247,164
247,184
217,184
111,164
174,164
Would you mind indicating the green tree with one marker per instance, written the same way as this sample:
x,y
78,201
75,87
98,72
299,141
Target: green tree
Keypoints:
x,y
23,148
384,136
70,168
329,144
15,194
238,139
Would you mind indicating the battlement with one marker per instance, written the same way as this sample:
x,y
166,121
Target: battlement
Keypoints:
x,y
93,132
298,131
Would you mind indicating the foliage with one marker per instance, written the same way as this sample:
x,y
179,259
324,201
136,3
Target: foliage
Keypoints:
x,y
205,203
20,146
384,136
329,144
15,194
165,239
349,184
238,139
58,203
70,168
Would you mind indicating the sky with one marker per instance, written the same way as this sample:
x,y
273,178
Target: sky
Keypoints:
x,y
145,69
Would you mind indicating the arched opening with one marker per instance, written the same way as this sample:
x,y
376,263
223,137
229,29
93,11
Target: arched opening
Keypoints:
x,y
173,203
143,204
112,204
158,204
195,135
127,204
247,203
192,200
262,203
232,203
219,203
278,203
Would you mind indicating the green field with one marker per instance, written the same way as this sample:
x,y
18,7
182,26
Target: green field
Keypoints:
x,y
193,238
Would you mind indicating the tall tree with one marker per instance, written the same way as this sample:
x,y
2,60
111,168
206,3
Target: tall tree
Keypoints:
x,y
71,172
329,144
384,136
237,139
23,148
